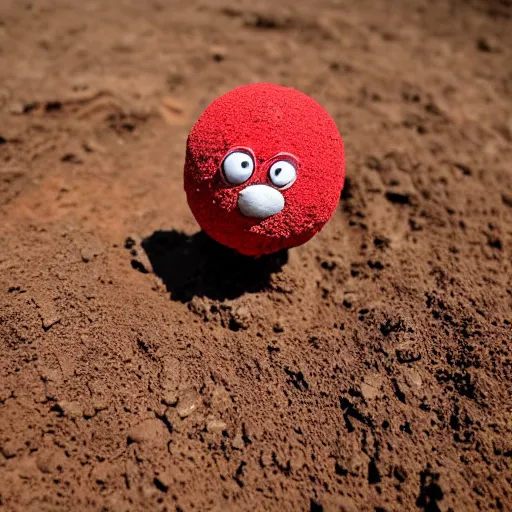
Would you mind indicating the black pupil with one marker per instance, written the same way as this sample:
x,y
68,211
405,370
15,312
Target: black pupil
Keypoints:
x,y
245,164
278,171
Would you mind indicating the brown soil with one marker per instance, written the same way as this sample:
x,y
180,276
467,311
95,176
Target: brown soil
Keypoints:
x,y
145,368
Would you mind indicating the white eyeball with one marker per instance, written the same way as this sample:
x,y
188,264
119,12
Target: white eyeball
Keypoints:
x,y
282,173
237,167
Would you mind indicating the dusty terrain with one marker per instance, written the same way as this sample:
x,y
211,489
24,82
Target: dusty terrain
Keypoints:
x,y
145,368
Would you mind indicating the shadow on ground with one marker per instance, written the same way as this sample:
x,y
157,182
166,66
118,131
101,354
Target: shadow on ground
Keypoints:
x,y
196,265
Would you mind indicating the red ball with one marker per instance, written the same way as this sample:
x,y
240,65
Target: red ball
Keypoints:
x,y
264,169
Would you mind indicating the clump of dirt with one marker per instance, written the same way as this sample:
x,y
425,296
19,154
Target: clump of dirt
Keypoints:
x,y
146,367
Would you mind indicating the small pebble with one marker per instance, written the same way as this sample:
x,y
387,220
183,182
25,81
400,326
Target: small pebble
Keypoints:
x,y
369,392
71,409
50,321
149,430
187,403
414,379
279,326
215,426
238,442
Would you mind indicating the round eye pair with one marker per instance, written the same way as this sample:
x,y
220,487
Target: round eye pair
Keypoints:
x,y
238,167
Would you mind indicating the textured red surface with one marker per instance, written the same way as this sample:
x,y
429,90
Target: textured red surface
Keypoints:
x,y
269,119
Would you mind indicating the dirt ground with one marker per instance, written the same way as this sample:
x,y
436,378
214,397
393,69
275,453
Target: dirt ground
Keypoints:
x,y
146,368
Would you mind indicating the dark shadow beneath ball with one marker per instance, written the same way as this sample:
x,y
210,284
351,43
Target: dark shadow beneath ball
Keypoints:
x,y
196,265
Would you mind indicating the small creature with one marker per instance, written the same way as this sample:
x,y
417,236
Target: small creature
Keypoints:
x,y
264,168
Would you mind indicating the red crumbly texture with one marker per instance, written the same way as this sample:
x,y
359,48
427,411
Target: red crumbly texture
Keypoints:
x,y
269,119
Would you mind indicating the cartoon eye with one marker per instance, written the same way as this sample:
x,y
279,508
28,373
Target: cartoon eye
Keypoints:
x,y
237,167
282,174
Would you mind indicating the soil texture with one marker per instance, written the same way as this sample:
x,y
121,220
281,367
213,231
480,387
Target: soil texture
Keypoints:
x,y
144,367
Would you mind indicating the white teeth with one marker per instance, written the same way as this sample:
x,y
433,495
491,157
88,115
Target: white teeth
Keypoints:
x,y
260,201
